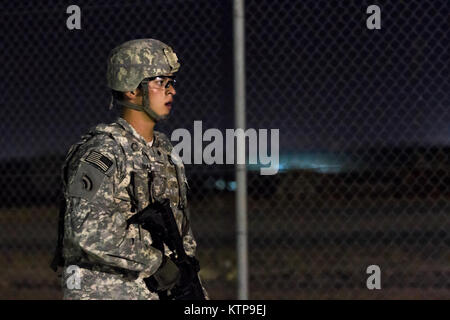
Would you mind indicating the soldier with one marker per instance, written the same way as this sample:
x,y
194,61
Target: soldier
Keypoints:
x,y
115,172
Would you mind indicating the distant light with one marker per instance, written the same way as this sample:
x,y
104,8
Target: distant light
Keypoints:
x,y
231,186
321,162
220,184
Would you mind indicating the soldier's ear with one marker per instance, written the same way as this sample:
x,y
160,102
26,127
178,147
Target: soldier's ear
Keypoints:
x,y
132,94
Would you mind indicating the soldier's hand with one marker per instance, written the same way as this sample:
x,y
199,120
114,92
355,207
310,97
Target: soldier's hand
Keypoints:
x,y
165,278
151,220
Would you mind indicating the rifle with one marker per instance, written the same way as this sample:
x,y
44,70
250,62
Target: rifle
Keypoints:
x,y
159,220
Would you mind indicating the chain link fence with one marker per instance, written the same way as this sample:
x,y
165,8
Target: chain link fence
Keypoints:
x,y
364,138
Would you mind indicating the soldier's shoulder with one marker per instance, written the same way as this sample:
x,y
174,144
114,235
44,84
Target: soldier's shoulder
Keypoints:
x,y
98,140
96,157
113,130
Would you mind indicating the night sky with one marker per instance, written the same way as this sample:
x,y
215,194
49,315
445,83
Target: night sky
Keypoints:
x,y
313,70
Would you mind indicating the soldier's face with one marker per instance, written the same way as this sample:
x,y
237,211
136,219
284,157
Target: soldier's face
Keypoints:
x,y
161,91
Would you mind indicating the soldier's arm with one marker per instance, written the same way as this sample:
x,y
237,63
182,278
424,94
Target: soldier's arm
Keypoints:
x,y
97,225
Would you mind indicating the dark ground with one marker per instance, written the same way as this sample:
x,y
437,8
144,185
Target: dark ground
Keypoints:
x,y
297,250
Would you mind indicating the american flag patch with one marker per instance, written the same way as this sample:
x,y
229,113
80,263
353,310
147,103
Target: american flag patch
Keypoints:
x,y
99,160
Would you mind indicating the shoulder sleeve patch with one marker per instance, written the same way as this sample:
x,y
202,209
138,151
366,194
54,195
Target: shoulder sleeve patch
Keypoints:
x,y
86,182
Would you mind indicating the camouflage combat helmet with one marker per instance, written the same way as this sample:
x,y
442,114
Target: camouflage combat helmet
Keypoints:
x,y
133,62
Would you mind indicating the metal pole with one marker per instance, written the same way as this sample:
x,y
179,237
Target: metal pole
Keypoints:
x,y
241,170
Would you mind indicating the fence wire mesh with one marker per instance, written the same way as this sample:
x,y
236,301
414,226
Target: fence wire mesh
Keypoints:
x,y
364,138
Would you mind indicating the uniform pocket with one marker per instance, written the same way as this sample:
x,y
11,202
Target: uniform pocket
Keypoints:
x,y
158,185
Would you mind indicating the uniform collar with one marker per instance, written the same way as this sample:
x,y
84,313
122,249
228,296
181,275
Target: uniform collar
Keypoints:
x,y
129,128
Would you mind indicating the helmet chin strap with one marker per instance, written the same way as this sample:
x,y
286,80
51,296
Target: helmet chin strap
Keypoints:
x,y
145,104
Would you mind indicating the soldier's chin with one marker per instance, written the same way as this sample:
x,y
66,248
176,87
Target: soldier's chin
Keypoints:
x,y
165,114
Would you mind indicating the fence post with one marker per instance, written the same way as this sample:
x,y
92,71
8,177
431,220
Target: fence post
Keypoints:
x,y
241,170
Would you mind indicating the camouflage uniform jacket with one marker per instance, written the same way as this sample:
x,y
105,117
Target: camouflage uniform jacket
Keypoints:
x,y
109,176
